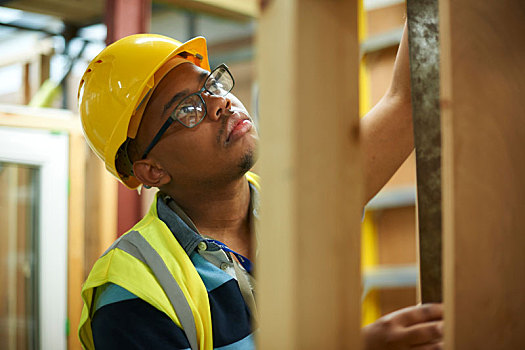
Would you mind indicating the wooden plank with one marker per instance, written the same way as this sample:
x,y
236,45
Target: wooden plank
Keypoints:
x,y
76,218
482,89
26,78
233,9
39,118
27,54
24,228
12,229
101,210
78,12
44,68
308,269
4,253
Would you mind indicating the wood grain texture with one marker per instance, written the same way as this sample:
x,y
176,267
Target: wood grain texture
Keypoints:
x,y
36,118
77,12
101,210
233,9
483,105
76,258
308,268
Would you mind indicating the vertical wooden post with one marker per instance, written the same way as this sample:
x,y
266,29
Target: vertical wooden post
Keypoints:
x,y
76,252
27,82
12,229
45,62
483,125
101,210
309,282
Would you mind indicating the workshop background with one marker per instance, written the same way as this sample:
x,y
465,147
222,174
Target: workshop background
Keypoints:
x,y
60,209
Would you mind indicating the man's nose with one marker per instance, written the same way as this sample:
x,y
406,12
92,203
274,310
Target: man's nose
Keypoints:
x,y
217,105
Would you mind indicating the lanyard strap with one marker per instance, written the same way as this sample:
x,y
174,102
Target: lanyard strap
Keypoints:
x,y
242,278
244,261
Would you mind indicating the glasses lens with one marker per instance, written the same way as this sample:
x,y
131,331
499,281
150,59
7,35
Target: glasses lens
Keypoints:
x,y
190,111
220,81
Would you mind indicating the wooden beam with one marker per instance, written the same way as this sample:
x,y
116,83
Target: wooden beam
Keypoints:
x,y
76,215
5,230
12,229
482,89
309,282
78,12
26,78
44,68
234,9
28,54
37,118
101,210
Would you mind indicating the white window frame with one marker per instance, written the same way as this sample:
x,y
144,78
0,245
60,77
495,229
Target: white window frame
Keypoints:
x,y
48,151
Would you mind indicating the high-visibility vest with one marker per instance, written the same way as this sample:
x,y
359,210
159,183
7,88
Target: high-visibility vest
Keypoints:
x,y
149,262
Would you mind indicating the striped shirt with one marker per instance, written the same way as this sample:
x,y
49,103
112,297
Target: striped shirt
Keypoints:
x,y
123,321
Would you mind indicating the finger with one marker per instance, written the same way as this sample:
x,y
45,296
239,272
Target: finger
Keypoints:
x,y
435,346
420,314
423,333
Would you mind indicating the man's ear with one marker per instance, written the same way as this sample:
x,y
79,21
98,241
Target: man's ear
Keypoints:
x,y
150,173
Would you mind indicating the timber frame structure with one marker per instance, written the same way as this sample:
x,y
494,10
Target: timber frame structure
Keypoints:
x,y
92,203
308,271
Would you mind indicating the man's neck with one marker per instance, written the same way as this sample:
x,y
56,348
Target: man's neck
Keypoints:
x,y
220,212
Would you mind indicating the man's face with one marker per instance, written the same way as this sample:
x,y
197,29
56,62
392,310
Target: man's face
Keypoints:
x,y
220,148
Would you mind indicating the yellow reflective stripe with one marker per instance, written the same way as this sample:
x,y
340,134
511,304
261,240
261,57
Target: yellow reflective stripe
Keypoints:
x,y
254,179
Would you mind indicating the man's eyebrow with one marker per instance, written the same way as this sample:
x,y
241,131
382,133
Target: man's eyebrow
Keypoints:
x,y
174,99
181,94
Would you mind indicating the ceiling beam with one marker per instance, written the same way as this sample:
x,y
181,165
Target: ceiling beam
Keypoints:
x,y
233,9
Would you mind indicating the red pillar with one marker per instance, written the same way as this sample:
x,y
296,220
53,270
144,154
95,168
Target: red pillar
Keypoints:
x,y
126,17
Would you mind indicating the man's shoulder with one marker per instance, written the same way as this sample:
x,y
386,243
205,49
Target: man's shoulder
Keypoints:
x,y
122,320
111,293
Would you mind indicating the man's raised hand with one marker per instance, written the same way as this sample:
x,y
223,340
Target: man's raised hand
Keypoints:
x,y
415,328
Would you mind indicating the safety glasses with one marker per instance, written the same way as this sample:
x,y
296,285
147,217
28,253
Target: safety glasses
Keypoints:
x,y
192,109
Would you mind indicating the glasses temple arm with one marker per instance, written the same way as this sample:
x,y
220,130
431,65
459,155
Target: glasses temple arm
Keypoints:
x,y
157,137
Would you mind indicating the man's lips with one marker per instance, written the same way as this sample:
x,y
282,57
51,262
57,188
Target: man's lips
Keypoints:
x,y
237,126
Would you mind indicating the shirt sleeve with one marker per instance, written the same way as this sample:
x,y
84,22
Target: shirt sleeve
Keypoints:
x,y
135,324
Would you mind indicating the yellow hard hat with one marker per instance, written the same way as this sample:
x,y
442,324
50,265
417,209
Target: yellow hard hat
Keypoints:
x,y
118,83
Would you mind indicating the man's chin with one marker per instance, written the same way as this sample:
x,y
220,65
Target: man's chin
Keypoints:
x,y
247,162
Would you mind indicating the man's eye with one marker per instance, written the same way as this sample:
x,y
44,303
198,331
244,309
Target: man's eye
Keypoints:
x,y
215,87
185,110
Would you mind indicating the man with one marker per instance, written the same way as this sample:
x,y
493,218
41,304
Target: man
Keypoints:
x,y
181,278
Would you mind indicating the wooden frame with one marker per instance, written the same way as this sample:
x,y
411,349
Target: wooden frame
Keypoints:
x,y
95,213
76,234
235,9
308,269
482,89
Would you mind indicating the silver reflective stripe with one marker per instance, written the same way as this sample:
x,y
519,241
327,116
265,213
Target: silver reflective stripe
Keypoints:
x,y
246,292
135,245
